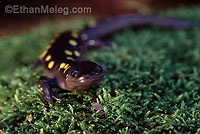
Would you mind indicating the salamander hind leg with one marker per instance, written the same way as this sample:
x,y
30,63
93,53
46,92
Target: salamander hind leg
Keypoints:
x,y
46,85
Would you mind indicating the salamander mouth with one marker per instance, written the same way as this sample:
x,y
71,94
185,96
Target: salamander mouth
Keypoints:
x,y
92,78
86,82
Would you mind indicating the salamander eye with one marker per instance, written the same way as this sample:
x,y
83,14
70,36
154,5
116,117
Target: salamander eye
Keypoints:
x,y
74,73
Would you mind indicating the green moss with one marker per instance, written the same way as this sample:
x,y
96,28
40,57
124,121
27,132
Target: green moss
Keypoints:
x,y
153,86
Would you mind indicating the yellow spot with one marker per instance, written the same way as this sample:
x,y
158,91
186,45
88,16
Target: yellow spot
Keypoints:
x,y
68,52
62,65
75,35
48,58
72,42
43,54
50,65
66,68
77,53
70,58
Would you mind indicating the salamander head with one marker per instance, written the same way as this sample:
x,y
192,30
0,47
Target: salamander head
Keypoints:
x,y
83,74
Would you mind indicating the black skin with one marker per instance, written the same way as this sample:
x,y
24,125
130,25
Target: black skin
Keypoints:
x,y
93,38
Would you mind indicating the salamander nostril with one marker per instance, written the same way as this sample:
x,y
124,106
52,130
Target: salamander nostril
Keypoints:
x,y
98,69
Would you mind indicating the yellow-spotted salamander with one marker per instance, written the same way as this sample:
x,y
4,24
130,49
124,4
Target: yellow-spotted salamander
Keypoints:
x,y
63,60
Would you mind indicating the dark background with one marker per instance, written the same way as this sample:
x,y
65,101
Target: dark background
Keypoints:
x,y
15,23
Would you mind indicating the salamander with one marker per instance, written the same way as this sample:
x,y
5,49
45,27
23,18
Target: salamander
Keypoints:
x,y
63,60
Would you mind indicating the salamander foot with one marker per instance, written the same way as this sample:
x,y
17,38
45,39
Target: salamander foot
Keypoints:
x,y
45,85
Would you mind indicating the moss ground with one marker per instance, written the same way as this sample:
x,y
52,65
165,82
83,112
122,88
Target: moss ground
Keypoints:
x,y
153,87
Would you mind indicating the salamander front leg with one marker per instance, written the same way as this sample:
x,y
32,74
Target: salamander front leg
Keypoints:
x,y
46,85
